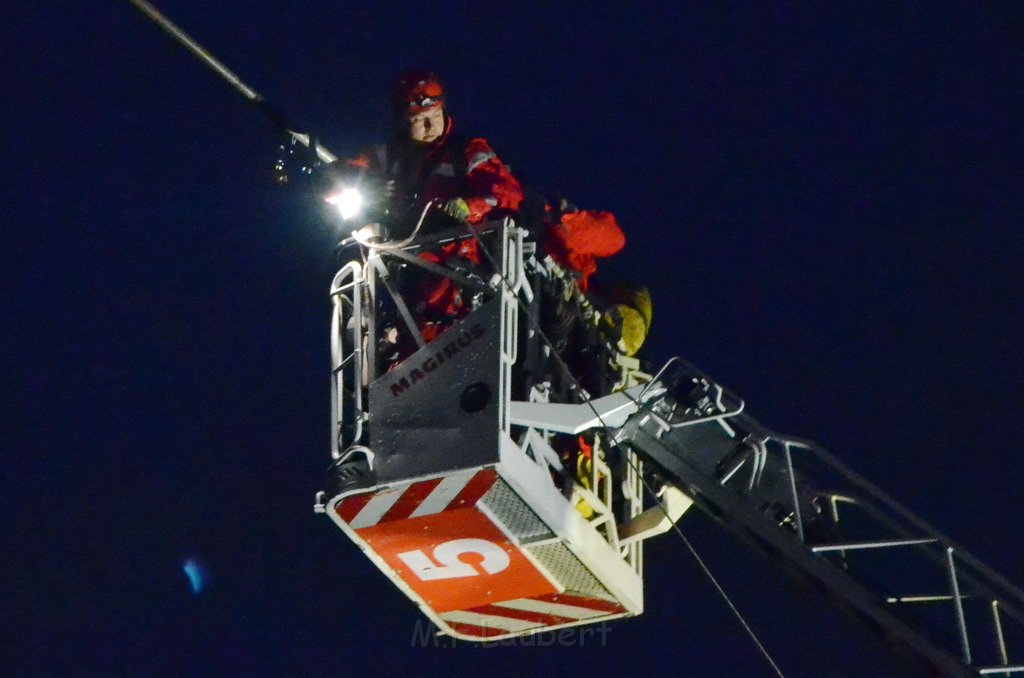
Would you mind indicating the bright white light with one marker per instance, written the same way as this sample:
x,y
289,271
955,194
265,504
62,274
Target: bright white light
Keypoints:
x,y
349,202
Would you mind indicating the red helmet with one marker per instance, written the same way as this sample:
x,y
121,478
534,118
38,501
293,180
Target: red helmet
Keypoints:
x,y
416,91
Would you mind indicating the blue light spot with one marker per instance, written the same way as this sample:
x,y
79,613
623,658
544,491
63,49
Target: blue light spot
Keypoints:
x,y
196,573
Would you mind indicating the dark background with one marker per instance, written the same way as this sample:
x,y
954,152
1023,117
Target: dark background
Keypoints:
x,y
826,203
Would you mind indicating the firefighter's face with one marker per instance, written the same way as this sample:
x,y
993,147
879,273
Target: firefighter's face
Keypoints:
x,y
426,126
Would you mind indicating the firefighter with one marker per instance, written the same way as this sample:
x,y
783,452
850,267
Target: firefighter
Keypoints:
x,y
428,161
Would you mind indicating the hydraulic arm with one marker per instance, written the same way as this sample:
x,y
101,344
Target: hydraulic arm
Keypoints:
x,y
822,522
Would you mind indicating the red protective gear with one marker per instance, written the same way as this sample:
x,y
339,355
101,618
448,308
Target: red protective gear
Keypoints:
x,y
415,92
446,168
580,237
488,188
440,298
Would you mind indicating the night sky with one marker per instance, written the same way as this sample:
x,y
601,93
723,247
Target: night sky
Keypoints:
x,y
825,202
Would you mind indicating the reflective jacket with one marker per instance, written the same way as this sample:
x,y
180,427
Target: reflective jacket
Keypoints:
x,y
449,167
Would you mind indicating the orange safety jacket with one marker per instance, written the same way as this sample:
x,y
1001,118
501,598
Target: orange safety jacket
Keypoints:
x,y
449,167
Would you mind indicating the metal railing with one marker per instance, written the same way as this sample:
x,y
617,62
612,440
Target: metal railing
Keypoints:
x,y
348,358
814,509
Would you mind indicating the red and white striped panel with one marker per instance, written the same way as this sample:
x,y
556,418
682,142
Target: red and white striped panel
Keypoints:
x,y
423,498
525,614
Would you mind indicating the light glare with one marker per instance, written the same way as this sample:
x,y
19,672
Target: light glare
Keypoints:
x,y
349,202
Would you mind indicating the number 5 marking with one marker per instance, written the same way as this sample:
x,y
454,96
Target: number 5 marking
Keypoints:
x,y
447,564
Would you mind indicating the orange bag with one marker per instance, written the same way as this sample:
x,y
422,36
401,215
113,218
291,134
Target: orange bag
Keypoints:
x,y
581,237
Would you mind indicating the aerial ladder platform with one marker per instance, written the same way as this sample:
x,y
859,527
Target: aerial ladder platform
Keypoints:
x,y
459,472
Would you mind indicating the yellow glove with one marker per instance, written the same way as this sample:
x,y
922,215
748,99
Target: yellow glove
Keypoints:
x,y
457,208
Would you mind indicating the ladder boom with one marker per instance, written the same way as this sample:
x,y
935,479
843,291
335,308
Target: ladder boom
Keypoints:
x,y
821,521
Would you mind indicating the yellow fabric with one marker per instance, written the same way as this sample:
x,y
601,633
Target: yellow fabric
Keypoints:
x,y
634,329
633,316
641,301
585,510
584,467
